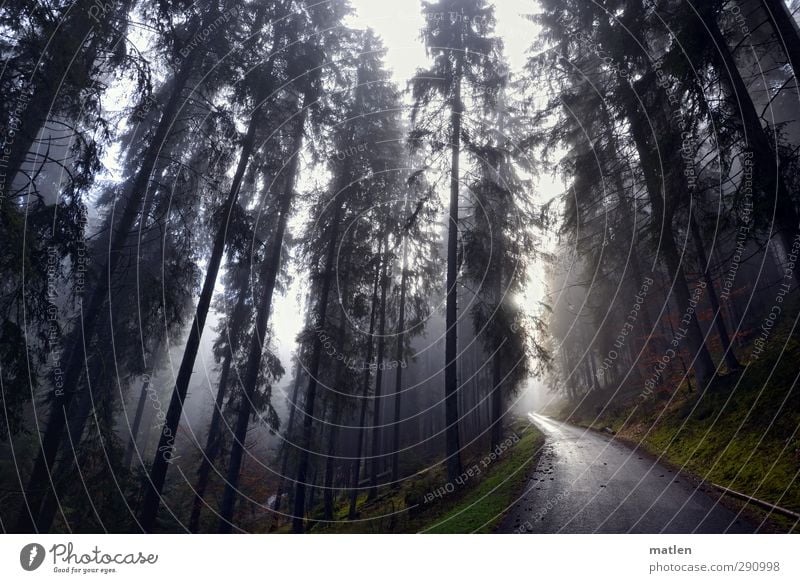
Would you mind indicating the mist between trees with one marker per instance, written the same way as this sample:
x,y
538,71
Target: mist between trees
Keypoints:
x,y
184,181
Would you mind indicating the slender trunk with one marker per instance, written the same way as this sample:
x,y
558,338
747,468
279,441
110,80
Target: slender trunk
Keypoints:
x,y
166,444
313,370
497,369
312,494
214,438
335,415
565,364
135,198
719,322
684,368
729,304
276,506
592,367
137,422
362,416
329,463
584,366
497,401
453,443
268,278
212,448
785,29
398,379
703,365
376,414
647,322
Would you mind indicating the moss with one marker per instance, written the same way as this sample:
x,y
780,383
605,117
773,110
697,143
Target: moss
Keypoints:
x,y
481,509
478,506
741,433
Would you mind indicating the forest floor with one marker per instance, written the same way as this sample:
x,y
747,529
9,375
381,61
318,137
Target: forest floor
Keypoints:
x,y
428,503
741,433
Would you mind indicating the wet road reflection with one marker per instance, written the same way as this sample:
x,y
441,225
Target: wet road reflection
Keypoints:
x,y
587,482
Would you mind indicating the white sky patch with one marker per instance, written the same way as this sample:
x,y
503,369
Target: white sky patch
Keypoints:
x,y
516,31
398,23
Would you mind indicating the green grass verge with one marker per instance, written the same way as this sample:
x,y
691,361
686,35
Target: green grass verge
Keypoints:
x,y
478,505
741,434
481,509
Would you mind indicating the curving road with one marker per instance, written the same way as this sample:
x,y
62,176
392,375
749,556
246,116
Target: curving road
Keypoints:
x,y
587,482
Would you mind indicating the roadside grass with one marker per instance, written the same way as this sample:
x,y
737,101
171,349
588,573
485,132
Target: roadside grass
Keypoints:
x,y
742,433
479,505
482,509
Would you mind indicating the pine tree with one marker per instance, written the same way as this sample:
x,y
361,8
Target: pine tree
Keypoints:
x,y
458,37
262,81
136,206
498,243
366,149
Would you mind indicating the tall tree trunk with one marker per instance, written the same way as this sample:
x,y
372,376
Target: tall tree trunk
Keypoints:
x,y
312,494
333,436
163,457
398,378
785,29
376,413
719,322
362,416
319,323
166,444
497,400
336,414
268,278
592,367
453,443
767,165
497,367
38,489
648,345
137,422
684,368
704,366
212,448
214,438
276,506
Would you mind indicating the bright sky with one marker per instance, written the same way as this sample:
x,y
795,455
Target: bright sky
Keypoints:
x,y
398,23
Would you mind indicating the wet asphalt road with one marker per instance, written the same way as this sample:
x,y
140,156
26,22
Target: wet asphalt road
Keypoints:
x,y
587,482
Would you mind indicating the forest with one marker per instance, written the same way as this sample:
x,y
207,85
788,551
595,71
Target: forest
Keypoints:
x,y
354,266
